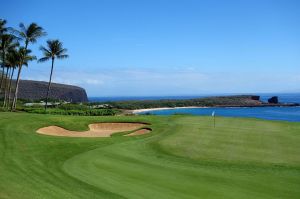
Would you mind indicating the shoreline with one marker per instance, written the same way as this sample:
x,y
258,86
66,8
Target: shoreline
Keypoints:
x,y
163,108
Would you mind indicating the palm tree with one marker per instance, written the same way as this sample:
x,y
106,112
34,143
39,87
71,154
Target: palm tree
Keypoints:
x,y
22,58
30,34
5,83
12,63
53,51
3,29
7,43
10,85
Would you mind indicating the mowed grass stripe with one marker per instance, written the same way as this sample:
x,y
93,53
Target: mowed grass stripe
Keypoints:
x,y
138,176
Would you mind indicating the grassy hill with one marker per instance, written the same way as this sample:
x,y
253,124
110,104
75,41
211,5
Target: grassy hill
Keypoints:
x,y
183,157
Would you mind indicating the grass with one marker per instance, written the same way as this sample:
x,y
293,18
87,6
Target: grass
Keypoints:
x,y
183,157
77,112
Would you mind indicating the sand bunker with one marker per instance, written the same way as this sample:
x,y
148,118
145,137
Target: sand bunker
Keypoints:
x,y
139,132
96,130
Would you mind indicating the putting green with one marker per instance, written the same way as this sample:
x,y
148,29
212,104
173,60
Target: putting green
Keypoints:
x,y
183,157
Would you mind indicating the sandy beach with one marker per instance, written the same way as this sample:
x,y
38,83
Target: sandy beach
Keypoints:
x,y
136,111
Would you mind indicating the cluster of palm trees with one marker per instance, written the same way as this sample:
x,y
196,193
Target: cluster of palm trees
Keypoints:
x,y
15,54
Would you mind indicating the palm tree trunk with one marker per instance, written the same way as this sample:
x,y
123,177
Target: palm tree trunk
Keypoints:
x,y
9,87
49,85
5,86
2,77
3,67
14,104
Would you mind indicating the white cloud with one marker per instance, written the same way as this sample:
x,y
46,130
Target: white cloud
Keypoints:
x,y
175,81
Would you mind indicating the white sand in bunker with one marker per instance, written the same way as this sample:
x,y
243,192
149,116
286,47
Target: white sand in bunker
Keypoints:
x,y
96,130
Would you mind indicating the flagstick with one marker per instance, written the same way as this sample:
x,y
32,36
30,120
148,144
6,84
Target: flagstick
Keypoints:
x,y
214,121
214,116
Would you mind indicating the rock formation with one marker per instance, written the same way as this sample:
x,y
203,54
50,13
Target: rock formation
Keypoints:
x,y
273,100
36,90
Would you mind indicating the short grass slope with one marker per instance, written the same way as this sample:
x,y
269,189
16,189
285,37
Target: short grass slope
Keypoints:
x,y
183,157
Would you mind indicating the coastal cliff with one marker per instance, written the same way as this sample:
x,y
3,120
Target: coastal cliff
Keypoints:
x,y
36,90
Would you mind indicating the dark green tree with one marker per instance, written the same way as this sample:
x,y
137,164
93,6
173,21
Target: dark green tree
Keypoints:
x,y
22,57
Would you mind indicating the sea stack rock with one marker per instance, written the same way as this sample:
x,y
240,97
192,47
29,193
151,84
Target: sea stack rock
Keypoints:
x,y
273,100
37,90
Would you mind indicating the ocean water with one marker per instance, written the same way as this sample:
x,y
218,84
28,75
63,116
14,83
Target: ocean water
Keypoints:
x,y
268,113
283,97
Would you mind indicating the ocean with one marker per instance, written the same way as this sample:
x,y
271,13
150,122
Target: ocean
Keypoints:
x,y
268,113
283,97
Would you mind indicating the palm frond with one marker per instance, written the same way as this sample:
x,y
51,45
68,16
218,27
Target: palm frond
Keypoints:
x,y
43,59
23,28
54,49
3,29
24,56
12,58
44,50
34,31
31,58
17,34
8,42
62,56
30,33
62,51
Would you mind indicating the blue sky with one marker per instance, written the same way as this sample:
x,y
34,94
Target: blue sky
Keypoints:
x,y
167,47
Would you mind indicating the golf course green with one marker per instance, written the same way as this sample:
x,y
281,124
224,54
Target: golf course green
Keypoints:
x,y
183,157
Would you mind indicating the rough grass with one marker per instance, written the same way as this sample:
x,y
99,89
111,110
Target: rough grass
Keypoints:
x,y
183,157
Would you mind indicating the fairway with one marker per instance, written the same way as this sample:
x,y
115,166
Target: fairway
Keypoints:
x,y
183,157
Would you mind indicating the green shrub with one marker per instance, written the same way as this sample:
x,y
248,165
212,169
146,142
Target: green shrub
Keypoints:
x,y
89,112
73,107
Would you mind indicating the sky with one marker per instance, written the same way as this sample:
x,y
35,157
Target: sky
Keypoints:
x,y
167,47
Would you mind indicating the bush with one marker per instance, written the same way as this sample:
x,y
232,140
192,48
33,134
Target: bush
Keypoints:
x,y
73,107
